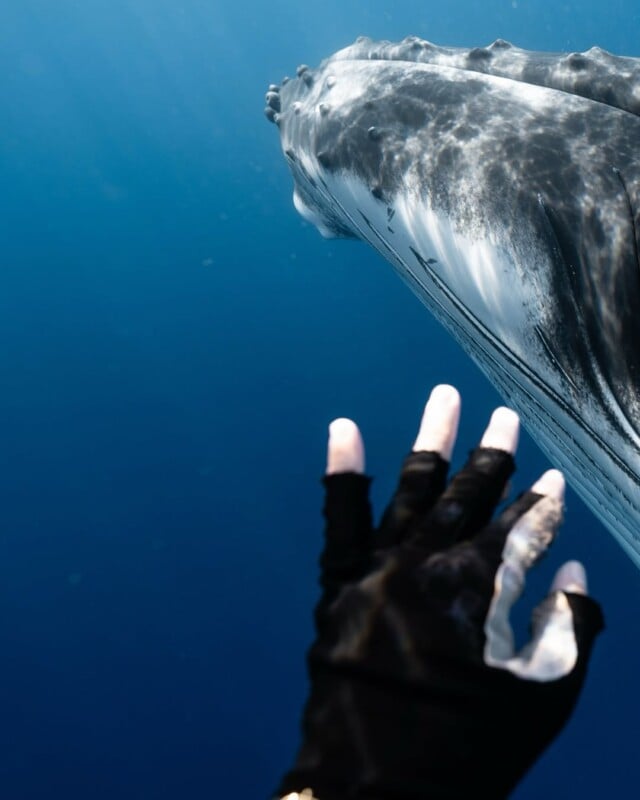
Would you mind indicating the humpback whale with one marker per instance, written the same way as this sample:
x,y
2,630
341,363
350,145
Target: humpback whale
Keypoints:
x,y
503,185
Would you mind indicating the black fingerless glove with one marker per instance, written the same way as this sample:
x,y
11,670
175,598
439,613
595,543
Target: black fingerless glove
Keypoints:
x,y
416,691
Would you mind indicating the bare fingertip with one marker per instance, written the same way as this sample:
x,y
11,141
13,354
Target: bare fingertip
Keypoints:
x,y
503,430
342,428
439,425
551,483
445,394
571,577
345,450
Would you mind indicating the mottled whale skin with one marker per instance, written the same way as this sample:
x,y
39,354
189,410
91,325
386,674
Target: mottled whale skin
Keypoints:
x,y
504,187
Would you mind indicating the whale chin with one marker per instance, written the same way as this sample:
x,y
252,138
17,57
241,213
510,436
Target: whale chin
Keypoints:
x,y
503,187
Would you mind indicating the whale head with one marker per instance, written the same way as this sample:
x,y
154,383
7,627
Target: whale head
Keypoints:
x,y
504,187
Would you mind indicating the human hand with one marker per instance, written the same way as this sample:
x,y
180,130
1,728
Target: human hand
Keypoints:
x,y
416,687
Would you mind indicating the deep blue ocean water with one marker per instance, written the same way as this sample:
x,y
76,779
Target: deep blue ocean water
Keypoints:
x,y
174,340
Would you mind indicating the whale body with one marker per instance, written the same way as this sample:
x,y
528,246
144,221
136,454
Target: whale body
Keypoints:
x,y
503,185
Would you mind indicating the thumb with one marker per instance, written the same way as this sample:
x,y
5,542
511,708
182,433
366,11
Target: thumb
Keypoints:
x,y
588,619
564,627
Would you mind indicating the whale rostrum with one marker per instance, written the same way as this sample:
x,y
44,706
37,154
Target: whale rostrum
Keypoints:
x,y
503,185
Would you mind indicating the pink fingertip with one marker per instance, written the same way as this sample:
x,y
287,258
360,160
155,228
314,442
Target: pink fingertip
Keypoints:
x,y
571,577
551,483
439,424
503,431
345,450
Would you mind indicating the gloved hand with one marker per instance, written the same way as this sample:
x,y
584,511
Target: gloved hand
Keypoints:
x,y
417,692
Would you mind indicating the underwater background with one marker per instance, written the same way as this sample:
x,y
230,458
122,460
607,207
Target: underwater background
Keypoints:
x,y
174,340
